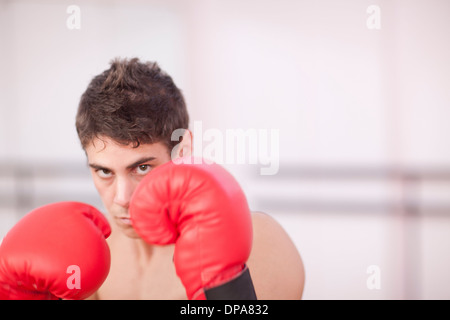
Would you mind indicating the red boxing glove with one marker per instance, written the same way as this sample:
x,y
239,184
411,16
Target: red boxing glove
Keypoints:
x,y
202,209
57,251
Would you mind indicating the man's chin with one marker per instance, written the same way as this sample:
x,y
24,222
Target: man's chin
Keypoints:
x,y
126,228
130,232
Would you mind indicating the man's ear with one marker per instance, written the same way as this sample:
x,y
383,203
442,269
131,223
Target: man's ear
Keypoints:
x,y
184,147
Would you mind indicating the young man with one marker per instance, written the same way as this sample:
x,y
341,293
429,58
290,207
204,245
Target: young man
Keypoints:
x,y
125,122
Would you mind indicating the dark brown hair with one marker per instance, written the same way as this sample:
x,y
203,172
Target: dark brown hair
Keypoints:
x,y
132,103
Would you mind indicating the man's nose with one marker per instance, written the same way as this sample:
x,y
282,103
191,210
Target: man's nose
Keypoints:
x,y
124,191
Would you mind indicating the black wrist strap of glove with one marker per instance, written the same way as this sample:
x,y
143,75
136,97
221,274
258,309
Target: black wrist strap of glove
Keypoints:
x,y
239,288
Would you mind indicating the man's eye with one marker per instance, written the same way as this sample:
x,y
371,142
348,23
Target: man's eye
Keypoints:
x,y
104,173
143,169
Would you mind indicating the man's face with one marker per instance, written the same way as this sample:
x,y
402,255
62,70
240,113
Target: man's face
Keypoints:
x,y
117,170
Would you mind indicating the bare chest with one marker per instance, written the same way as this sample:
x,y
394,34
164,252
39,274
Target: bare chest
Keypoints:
x,y
132,277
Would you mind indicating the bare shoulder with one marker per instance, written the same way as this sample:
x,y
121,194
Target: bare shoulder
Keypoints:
x,y
275,264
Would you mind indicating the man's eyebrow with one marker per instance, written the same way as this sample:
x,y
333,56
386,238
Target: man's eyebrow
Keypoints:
x,y
98,167
131,166
140,161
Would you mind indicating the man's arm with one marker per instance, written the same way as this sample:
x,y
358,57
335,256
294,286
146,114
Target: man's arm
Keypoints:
x,y
275,264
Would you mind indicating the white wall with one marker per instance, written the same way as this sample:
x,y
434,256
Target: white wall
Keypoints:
x,y
343,97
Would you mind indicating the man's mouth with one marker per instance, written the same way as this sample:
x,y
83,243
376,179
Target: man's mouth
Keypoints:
x,y
124,220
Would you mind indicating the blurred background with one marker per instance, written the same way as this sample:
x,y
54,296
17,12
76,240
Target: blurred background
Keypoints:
x,y
358,91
